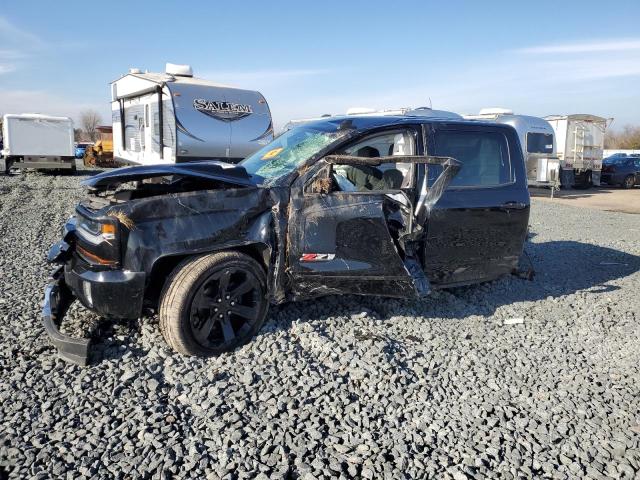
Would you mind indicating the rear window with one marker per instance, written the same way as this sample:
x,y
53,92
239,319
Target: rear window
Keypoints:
x,y
484,157
539,142
622,161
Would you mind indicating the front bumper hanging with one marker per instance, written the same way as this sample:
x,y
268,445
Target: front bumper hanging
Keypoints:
x,y
57,298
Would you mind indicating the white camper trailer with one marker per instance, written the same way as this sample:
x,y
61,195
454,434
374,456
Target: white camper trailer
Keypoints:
x,y
580,144
37,141
537,140
368,112
174,117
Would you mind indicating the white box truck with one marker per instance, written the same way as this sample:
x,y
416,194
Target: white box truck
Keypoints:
x,y
579,146
37,141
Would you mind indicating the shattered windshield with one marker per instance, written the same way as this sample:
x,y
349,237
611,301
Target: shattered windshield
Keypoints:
x,y
291,149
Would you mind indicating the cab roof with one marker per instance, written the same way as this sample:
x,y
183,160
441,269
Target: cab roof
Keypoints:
x,y
369,122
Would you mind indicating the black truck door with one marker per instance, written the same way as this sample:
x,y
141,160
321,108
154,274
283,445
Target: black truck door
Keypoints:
x,y
477,228
345,221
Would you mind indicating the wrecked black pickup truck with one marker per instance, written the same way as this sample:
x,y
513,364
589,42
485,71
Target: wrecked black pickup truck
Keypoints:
x,y
391,206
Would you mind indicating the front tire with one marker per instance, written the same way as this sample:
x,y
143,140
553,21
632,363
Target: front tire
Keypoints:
x,y
213,303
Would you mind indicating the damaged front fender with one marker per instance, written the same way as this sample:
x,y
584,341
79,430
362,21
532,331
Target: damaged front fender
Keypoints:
x,y
206,170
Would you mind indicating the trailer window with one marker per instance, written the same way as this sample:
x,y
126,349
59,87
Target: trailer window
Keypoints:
x,y
484,157
146,116
539,142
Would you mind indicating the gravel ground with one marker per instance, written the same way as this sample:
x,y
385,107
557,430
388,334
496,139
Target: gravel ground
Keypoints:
x,y
447,387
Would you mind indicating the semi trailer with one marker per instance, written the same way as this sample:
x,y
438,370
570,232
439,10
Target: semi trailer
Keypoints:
x,y
580,146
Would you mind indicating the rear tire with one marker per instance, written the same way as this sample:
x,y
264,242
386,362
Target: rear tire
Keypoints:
x,y
8,163
213,303
586,183
629,182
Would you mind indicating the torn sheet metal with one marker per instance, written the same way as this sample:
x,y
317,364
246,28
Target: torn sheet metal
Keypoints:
x,y
211,170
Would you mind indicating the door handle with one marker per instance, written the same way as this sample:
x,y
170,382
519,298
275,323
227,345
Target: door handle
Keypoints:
x,y
513,206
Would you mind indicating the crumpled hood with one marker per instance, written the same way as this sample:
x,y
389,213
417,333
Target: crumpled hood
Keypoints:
x,y
207,169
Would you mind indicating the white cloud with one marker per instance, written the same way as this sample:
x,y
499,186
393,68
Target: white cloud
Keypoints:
x,y
17,44
259,78
7,60
6,68
7,54
40,101
585,77
15,36
615,45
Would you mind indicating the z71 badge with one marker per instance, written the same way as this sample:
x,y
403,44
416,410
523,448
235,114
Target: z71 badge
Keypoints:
x,y
317,257
225,111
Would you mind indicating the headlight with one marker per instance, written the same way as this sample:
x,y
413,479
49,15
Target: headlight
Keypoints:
x,y
98,239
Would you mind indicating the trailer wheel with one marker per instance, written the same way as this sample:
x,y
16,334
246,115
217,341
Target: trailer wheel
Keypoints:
x,y
629,181
213,303
586,181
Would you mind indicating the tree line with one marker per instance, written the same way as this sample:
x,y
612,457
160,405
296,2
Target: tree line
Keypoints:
x,y
628,138
89,122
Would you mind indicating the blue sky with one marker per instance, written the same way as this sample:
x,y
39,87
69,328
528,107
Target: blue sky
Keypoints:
x,y
310,58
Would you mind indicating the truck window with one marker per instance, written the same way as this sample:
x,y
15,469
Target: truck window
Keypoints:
x,y
539,142
484,157
387,176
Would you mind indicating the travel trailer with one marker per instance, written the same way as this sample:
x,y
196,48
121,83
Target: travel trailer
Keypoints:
x,y
360,111
580,145
37,141
175,117
537,140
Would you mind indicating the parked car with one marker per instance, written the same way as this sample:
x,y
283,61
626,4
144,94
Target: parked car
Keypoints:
x,y
350,205
81,147
619,170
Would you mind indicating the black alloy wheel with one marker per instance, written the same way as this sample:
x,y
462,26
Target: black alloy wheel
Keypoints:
x,y
213,303
225,307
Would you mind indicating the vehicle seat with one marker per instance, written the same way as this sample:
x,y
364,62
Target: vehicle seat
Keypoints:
x,y
364,177
368,152
392,179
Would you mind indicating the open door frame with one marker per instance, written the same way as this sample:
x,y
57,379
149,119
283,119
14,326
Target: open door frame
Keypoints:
x,y
360,242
